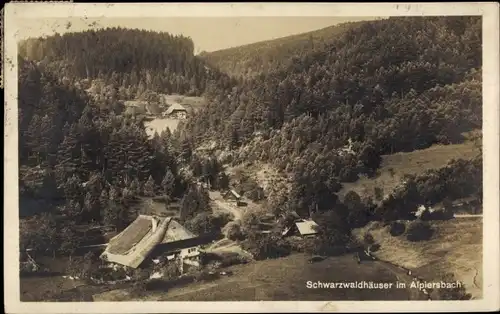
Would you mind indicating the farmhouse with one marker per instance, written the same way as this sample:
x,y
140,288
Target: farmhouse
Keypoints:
x,y
234,196
304,228
176,110
152,236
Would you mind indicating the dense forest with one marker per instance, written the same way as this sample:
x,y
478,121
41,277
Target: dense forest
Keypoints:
x,y
327,116
80,166
128,61
262,57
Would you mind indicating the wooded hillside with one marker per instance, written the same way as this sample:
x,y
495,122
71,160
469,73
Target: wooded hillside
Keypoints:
x,y
132,61
262,57
378,87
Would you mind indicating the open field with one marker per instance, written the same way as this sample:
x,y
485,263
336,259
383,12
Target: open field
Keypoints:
x,y
455,247
193,102
38,288
159,125
395,167
284,279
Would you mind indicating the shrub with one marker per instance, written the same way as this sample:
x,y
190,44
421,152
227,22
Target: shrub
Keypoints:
x,y
397,228
205,222
426,215
205,276
442,214
419,231
161,199
170,270
138,274
263,246
232,231
301,245
223,259
379,193
374,247
458,293
155,284
256,194
368,239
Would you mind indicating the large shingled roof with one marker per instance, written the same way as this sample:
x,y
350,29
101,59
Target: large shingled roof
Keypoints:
x,y
175,107
137,241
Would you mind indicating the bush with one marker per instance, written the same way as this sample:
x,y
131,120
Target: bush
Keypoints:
x,y
155,285
83,267
426,215
263,246
301,245
368,239
138,274
232,231
256,194
205,222
205,276
443,214
419,231
397,228
452,294
374,247
161,199
379,193
223,259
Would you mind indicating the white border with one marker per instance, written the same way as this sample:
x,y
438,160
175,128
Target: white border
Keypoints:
x,y
490,14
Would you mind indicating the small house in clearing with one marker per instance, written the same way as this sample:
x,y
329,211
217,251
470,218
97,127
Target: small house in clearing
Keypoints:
x,y
304,228
176,110
234,196
152,236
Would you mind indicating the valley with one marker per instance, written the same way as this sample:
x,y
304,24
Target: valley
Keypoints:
x,y
244,173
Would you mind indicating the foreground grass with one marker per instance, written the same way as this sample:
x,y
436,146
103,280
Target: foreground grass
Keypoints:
x,y
455,247
279,280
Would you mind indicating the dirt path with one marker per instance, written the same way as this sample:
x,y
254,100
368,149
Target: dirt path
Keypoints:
x,y
223,205
237,213
403,277
467,215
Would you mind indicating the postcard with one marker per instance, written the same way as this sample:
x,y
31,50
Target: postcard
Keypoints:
x,y
251,157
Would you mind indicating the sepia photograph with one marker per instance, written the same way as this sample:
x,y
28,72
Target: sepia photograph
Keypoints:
x,y
250,152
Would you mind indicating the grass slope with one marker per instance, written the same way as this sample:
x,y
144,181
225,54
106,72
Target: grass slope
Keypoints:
x,y
281,279
455,247
395,167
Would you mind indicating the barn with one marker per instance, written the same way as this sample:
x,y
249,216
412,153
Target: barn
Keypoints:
x,y
304,228
176,110
153,236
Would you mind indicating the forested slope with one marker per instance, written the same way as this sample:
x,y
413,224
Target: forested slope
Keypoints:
x,y
78,166
252,59
127,61
379,87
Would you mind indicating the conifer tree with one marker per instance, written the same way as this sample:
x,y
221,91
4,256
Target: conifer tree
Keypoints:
x,y
168,182
149,187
